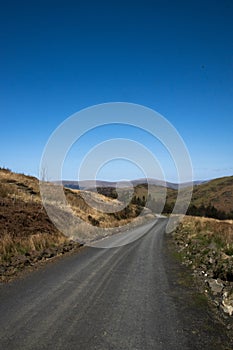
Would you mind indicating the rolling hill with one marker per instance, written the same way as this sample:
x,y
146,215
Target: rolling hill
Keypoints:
x,y
216,193
25,225
91,184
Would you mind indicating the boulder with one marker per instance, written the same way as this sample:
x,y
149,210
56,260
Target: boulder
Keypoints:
x,y
215,285
227,303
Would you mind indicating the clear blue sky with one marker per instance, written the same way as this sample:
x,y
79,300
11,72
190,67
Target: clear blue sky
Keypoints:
x,y
58,57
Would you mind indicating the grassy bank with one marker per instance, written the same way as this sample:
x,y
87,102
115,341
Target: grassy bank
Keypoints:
x,y
206,246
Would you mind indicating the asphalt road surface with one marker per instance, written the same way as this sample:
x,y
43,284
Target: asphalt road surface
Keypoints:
x,y
100,298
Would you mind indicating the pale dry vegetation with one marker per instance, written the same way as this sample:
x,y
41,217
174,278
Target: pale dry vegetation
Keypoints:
x,y
220,231
12,246
26,227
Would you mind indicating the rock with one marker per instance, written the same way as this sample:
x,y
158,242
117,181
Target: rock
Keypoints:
x,y
48,253
66,248
34,255
11,271
215,303
227,304
20,261
211,261
216,286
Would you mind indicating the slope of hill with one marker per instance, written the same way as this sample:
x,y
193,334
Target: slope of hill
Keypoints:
x,y
217,192
213,198
214,195
25,225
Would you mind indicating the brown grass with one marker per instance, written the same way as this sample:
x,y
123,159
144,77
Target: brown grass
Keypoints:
x,y
220,231
25,225
11,246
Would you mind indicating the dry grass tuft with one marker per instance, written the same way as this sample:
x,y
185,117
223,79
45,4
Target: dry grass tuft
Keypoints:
x,y
222,230
11,246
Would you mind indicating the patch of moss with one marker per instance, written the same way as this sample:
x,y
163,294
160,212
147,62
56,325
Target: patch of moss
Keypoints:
x,y
178,255
200,300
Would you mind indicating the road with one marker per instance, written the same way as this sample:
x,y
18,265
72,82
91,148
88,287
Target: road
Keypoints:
x,y
116,298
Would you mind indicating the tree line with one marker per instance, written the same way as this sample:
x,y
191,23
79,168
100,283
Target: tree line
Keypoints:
x,y
209,211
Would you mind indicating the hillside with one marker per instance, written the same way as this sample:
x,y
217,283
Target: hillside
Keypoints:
x,y
217,194
212,199
25,228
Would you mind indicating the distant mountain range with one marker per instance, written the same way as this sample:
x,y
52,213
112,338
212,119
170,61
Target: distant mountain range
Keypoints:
x,y
91,184
217,192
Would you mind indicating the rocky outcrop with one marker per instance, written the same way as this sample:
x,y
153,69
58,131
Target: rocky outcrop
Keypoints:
x,y
211,262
